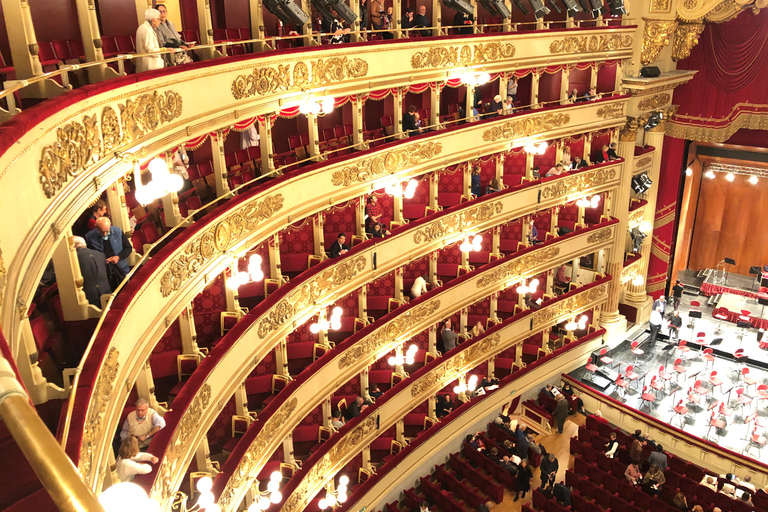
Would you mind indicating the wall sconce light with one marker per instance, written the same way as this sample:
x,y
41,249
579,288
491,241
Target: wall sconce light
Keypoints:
x,y
581,324
339,496
530,288
270,496
475,245
163,182
594,202
536,148
396,189
470,386
638,280
253,275
408,358
319,106
474,79
334,323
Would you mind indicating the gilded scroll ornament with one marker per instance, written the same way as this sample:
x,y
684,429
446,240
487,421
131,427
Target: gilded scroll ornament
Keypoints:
x,y
600,236
628,132
93,426
519,267
82,143
654,102
249,466
2,276
269,80
662,6
467,55
439,57
387,163
179,443
656,36
388,333
457,222
611,111
686,37
578,183
309,292
526,127
646,160
217,238
636,217
591,44
568,307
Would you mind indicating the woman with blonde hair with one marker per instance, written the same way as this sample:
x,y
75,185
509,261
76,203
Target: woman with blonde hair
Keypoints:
x,y
130,460
566,161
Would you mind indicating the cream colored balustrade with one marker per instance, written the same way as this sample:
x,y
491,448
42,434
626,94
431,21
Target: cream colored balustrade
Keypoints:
x,y
259,337
325,382
184,274
62,164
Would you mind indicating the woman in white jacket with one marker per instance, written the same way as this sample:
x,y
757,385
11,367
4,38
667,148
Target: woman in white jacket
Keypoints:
x,y
146,42
130,460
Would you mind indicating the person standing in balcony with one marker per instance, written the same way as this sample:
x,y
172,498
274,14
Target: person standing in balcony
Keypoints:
x,y
512,89
386,24
93,268
464,21
130,461
98,211
561,412
448,336
410,127
566,160
169,37
524,476
476,187
146,42
376,13
112,242
421,20
142,424
337,30
612,154
363,15
496,107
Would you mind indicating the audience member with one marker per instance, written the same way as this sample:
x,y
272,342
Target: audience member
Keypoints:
x,y
658,458
549,467
530,303
142,423
633,474
146,42
478,330
339,247
728,488
444,405
574,96
578,163
485,507
421,20
493,186
337,421
521,446
512,88
524,476
354,409
363,15
374,211
98,211
449,337
169,37
496,108
612,155
420,286
386,23
493,454
679,502
653,480
408,21
537,448
507,464
566,159
557,170
464,21
475,184
377,231
536,172
409,121
562,494
337,29
591,94
560,278
374,391
249,137
547,390
746,497
533,233
697,508
113,243
568,392
489,381
747,482
709,481
509,106
376,13
561,412
603,155
636,450
675,323
474,441
93,269
130,460
424,507
612,446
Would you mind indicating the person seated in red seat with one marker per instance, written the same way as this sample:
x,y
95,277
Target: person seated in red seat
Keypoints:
x,y
444,406
557,170
355,408
560,278
142,423
339,247
374,212
475,442
633,474
598,415
653,480
572,397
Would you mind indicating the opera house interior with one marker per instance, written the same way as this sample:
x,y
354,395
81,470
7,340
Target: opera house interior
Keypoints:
x,y
504,256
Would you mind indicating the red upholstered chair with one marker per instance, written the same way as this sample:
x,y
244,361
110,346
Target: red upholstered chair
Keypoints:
x,y
636,350
657,385
695,305
757,440
715,381
709,357
744,400
680,412
720,314
630,374
604,357
621,385
699,389
747,379
682,348
648,398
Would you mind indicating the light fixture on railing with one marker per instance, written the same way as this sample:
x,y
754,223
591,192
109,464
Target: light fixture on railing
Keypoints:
x,y
475,245
529,288
470,386
127,497
581,324
688,171
163,182
395,188
638,280
333,324
536,148
272,495
316,106
472,78
408,358
645,227
339,496
594,202
253,275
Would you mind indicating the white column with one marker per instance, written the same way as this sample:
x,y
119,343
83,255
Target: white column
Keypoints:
x,y
314,138
265,139
219,164
397,117
357,123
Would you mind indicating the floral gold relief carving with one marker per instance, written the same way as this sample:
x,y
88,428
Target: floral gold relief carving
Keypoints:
x,y
519,267
436,57
686,37
467,55
457,222
646,160
578,183
82,143
600,236
188,425
268,80
591,44
628,132
660,5
94,423
526,127
390,162
388,333
568,307
310,292
636,217
611,111
654,102
217,238
656,36
250,465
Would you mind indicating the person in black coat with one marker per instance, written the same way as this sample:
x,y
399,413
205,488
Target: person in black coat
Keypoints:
x,y
444,405
410,127
561,412
339,247
465,21
522,442
549,468
93,268
524,476
562,494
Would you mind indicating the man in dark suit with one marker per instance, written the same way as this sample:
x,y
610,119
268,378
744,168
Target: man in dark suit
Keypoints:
x,y
339,247
612,155
410,126
93,268
421,20
354,409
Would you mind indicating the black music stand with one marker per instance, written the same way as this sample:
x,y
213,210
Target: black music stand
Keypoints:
x,y
694,315
762,302
742,325
728,261
755,271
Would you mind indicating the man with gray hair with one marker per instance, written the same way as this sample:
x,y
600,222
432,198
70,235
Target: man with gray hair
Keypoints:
x,y
142,423
146,42
93,268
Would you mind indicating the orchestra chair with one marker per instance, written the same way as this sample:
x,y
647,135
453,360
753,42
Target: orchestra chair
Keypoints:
x,y
630,374
716,422
679,369
607,361
747,379
636,350
709,357
621,386
742,399
657,385
648,398
695,305
699,389
715,381
701,340
682,348
757,440
681,411
665,376
720,314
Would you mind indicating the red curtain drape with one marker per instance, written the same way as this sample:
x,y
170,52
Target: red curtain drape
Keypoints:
x,y
734,58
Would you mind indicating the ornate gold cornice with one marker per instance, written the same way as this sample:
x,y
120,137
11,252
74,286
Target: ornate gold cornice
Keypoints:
x,y
611,111
600,236
518,268
716,11
629,132
662,126
82,143
567,308
654,102
578,183
466,55
526,127
656,35
686,37
390,162
282,77
591,44
715,130
457,222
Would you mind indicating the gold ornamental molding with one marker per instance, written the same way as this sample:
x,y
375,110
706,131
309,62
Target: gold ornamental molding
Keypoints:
x,y
716,11
660,6
311,292
80,144
267,80
720,130
611,111
458,222
567,308
518,268
578,183
382,337
630,271
642,162
393,161
179,442
600,236
526,127
686,37
591,44
656,35
636,217
93,428
466,55
628,132
217,239
654,102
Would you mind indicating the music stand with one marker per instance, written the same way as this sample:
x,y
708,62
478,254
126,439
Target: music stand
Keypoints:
x,y
694,315
755,271
762,302
742,325
728,261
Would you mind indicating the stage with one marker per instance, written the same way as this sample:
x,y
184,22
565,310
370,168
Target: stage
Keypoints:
x,y
735,284
734,306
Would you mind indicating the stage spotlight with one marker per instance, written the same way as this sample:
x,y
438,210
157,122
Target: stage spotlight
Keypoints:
x,y
641,183
584,5
553,4
730,176
637,239
539,9
596,8
653,120
497,7
710,174
522,8
617,7
275,7
689,172
460,5
344,11
573,7
753,180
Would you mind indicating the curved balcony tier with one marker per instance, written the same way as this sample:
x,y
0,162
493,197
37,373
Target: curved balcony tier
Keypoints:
x,y
70,142
260,331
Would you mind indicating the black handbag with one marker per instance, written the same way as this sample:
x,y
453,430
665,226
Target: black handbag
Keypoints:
x,y
115,275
